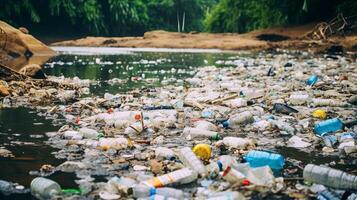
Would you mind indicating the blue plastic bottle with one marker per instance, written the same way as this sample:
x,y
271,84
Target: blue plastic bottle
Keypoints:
x,y
328,126
312,80
262,158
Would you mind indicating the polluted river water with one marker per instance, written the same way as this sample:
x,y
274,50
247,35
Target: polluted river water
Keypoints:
x,y
22,130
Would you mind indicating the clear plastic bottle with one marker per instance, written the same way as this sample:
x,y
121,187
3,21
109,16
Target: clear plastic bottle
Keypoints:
x,y
229,195
120,124
327,195
190,133
189,159
233,176
330,177
221,164
89,133
72,135
142,190
44,188
181,176
114,143
236,120
325,102
157,197
299,99
205,125
328,126
252,93
262,158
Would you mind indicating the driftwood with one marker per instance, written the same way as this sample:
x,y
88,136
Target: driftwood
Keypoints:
x,y
340,25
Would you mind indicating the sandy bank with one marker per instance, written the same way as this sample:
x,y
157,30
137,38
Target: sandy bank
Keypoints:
x,y
288,37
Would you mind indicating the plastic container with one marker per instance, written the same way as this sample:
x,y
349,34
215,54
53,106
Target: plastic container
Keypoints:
x,y
190,133
233,176
320,114
327,195
317,102
236,120
141,190
312,80
181,176
44,188
330,140
121,124
229,195
90,133
330,177
262,158
189,159
72,135
328,126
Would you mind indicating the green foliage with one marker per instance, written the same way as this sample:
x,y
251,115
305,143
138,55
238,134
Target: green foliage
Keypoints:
x,y
242,16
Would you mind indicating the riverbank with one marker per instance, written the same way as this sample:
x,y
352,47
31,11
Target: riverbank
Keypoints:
x,y
283,37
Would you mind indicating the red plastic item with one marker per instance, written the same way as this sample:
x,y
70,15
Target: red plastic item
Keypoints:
x,y
69,109
110,110
78,120
137,117
245,182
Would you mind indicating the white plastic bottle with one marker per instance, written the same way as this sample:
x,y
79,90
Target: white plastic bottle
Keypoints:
x,y
181,176
142,190
121,124
189,159
44,188
232,175
89,133
72,135
157,197
236,103
236,142
126,115
190,133
236,120
299,99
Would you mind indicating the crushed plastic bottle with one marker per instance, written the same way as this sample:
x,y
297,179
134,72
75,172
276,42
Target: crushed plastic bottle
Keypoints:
x,y
191,133
239,119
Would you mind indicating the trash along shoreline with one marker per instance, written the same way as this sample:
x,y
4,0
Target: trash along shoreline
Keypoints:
x,y
215,135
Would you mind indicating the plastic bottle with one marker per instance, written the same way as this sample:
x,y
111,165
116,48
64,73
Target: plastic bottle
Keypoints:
x,y
142,190
236,142
189,159
72,135
233,176
205,125
251,93
120,124
190,133
114,143
90,133
312,80
262,158
181,176
328,126
44,188
126,115
327,195
330,177
299,99
207,113
330,140
157,197
236,103
325,102
229,195
282,126
239,119
164,153
135,128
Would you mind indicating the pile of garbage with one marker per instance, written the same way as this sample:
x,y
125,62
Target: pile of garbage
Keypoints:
x,y
217,135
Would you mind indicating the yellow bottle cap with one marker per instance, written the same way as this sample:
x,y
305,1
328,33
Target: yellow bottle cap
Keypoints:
x,y
202,151
321,114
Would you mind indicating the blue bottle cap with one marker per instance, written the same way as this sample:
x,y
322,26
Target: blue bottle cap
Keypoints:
x,y
225,124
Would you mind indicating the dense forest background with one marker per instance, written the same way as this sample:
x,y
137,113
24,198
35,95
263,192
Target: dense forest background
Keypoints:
x,y
134,17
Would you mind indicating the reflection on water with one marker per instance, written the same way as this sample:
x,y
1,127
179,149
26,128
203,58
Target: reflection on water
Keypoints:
x,y
120,73
22,132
